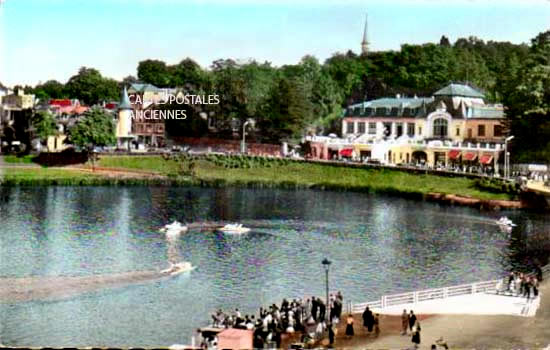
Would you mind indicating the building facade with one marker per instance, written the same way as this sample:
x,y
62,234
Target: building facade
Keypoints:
x,y
453,127
147,132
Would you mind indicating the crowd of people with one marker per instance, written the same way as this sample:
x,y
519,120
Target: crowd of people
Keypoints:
x,y
520,284
307,316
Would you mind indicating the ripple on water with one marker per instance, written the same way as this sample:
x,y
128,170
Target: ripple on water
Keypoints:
x,y
377,245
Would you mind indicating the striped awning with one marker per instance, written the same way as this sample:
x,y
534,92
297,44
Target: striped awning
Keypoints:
x,y
486,159
470,156
454,154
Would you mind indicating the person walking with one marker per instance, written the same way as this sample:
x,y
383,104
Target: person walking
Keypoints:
x,y
416,334
412,320
535,282
368,319
404,322
376,322
330,335
349,326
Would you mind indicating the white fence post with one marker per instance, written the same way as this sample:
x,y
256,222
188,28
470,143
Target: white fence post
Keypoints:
x,y
474,288
445,293
415,297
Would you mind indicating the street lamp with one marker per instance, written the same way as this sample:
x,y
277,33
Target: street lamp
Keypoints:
x,y
243,145
326,264
507,156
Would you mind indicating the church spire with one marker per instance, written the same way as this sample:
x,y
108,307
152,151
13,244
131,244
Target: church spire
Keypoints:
x,y
365,42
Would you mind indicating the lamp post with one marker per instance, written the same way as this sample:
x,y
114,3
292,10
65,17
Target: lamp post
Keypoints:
x,y
243,145
507,156
326,264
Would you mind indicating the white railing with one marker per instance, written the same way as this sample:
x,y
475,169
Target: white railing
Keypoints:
x,y
425,295
431,294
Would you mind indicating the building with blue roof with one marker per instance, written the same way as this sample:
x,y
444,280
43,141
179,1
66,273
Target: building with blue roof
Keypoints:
x,y
455,125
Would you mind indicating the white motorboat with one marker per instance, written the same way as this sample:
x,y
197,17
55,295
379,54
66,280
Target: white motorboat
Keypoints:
x,y
234,229
504,221
178,268
173,229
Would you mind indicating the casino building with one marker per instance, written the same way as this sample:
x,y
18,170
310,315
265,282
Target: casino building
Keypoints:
x,y
453,127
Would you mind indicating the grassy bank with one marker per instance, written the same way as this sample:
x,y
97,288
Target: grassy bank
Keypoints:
x,y
307,175
18,160
289,175
71,177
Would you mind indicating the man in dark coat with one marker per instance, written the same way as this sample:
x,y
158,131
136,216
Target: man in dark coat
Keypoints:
x,y
412,320
322,309
314,306
368,319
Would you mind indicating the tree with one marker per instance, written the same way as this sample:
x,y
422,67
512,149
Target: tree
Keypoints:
x,y
91,88
154,72
129,80
286,112
444,41
50,89
44,126
97,128
243,88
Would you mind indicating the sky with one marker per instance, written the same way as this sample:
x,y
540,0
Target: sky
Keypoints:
x,y
51,39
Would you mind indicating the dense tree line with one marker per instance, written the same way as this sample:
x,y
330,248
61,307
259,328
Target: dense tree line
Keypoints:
x,y
292,100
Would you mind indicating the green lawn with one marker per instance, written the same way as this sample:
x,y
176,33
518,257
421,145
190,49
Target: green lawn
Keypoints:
x,y
15,159
291,175
38,176
313,175
149,163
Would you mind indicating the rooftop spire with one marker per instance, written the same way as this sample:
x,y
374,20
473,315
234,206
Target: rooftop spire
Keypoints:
x,y
365,42
124,100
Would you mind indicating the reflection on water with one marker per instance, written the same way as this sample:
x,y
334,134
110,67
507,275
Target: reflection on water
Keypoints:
x,y
377,244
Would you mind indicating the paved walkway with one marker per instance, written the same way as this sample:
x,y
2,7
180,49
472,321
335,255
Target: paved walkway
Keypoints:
x,y
470,304
463,330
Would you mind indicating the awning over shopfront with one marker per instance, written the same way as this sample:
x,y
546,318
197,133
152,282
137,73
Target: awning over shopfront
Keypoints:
x,y
486,159
346,152
454,154
470,156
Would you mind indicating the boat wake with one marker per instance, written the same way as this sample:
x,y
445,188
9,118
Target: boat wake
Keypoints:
x,y
14,290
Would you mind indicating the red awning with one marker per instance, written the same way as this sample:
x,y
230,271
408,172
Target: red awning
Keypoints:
x,y
470,156
346,152
454,154
486,159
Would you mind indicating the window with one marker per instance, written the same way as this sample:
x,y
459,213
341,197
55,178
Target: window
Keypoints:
x,y
372,128
349,127
387,129
399,129
440,128
457,131
481,130
420,130
469,133
361,126
497,132
410,129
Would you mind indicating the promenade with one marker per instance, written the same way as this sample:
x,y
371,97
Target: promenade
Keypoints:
x,y
469,321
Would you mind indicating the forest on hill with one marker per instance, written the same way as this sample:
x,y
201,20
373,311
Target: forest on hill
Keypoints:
x,y
292,100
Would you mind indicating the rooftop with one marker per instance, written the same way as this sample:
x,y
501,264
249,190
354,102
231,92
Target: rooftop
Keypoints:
x,y
137,87
459,90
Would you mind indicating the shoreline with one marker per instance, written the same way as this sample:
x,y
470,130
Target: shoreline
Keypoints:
x,y
103,176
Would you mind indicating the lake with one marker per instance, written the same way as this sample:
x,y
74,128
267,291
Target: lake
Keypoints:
x,y
377,244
